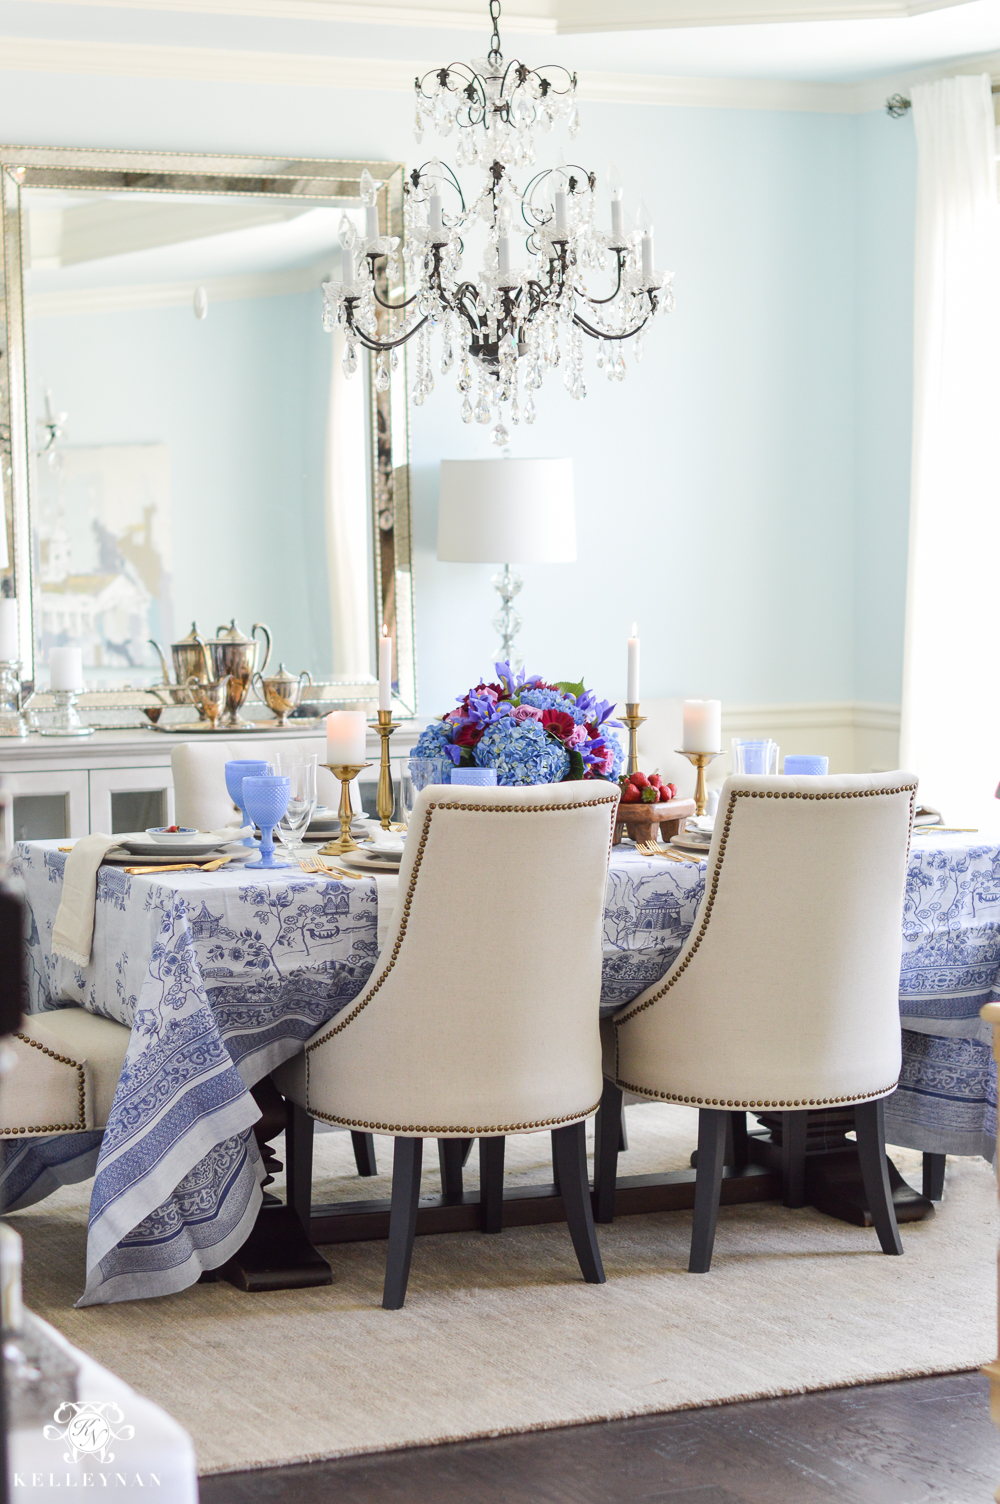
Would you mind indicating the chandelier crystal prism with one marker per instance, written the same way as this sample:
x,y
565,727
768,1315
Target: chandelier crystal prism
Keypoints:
x,y
512,324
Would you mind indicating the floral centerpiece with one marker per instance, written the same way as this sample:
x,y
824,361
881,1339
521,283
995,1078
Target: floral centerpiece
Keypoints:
x,y
529,731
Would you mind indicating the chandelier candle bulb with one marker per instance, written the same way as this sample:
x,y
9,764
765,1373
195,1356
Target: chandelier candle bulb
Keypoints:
x,y
503,256
435,225
702,726
9,639
371,221
345,737
647,257
632,695
562,223
617,221
66,669
385,670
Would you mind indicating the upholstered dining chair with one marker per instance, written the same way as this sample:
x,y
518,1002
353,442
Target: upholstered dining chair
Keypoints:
x,y
785,995
480,1018
65,1073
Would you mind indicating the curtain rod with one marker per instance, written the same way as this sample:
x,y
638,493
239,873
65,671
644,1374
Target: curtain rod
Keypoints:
x,y
898,104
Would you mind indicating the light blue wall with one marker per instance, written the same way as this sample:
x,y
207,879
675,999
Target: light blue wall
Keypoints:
x,y
239,401
886,154
728,491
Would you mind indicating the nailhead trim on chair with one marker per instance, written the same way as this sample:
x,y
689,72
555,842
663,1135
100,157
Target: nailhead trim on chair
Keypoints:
x,y
499,809
81,1095
669,1096
734,794
432,1130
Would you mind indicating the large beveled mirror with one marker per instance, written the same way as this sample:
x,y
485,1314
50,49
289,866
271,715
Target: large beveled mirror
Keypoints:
x,y
181,442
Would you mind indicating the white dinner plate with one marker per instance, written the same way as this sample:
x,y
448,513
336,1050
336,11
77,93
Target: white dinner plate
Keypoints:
x,y
174,851
364,862
120,856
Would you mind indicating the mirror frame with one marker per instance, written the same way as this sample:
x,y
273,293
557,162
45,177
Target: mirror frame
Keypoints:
x,y
105,171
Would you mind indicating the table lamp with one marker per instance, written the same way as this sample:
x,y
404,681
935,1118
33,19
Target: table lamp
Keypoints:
x,y
503,511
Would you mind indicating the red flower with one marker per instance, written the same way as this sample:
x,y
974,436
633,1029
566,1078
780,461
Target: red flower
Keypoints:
x,y
558,724
468,735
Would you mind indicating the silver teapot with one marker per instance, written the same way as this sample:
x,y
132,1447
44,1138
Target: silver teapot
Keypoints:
x,y
191,661
282,691
234,654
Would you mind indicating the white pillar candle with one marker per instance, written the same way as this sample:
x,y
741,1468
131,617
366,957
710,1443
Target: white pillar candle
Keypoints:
x,y
385,670
561,219
371,221
345,738
647,258
435,224
66,668
702,726
617,221
9,640
503,256
633,667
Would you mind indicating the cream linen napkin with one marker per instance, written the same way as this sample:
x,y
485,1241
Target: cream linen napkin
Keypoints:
x,y
73,931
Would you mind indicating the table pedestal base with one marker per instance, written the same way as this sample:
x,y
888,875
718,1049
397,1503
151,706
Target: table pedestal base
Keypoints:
x,y
277,1255
833,1181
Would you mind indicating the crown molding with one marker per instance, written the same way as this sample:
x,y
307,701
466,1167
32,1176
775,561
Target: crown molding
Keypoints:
x,y
304,70
543,16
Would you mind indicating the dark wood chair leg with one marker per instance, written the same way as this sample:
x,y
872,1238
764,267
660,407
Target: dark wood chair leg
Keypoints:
x,y
934,1176
364,1153
569,1146
622,1134
793,1157
555,1170
740,1140
407,1157
299,1162
491,1152
607,1146
869,1123
452,1154
712,1126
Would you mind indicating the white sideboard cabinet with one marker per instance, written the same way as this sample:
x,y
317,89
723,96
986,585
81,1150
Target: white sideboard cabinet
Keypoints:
x,y
120,780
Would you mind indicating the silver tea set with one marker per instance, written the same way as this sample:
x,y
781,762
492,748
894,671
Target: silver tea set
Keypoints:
x,y
215,674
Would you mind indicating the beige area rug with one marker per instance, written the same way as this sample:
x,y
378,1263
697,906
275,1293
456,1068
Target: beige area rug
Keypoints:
x,y
500,1333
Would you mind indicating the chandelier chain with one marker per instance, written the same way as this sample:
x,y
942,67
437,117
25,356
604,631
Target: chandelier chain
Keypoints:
x,y
495,55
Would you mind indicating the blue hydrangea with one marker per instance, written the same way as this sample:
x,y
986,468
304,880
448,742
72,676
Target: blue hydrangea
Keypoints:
x,y
433,741
619,754
554,699
522,753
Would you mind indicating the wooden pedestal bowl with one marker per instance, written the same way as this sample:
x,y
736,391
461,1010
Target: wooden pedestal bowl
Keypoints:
x,y
651,822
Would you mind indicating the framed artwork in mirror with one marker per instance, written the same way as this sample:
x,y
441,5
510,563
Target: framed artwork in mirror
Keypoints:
x,y
180,440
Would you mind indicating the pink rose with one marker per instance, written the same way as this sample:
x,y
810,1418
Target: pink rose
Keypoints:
x,y
526,713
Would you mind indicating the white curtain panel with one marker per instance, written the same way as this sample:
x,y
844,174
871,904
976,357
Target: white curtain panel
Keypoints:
x,y
347,515
951,675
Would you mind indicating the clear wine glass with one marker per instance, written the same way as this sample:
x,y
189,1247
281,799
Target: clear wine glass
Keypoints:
x,y
415,773
300,770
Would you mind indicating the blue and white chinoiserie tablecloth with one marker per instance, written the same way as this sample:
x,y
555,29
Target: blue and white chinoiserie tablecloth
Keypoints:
x,y
222,976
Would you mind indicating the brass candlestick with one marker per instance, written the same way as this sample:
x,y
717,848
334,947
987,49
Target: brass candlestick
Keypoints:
x,y
345,841
633,721
384,801
701,761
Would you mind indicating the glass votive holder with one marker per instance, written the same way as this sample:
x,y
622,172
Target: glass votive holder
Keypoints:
x,y
754,756
797,763
482,778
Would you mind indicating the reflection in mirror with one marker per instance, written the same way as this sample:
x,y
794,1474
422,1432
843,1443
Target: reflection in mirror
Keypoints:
x,y
197,453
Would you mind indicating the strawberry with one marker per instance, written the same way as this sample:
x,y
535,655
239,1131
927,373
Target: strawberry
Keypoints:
x,y
639,780
631,795
650,795
670,791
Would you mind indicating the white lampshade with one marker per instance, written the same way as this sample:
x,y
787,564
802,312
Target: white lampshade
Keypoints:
x,y
506,511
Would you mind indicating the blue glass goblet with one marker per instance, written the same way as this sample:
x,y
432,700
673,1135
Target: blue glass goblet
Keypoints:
x,y
266,800
238,768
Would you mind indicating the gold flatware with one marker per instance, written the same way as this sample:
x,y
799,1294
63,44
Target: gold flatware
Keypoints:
x,y
212,866
650,848
939,830
313,866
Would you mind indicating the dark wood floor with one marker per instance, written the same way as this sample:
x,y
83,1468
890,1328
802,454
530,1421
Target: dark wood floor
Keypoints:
x,y
911,1442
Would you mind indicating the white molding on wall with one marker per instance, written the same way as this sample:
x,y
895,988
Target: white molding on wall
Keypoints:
x,y
805,716
546,16
302,70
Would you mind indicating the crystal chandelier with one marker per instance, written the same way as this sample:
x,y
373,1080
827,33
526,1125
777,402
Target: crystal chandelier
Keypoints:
x,y
511,325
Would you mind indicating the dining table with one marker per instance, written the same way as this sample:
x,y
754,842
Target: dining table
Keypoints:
x,y
222,976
